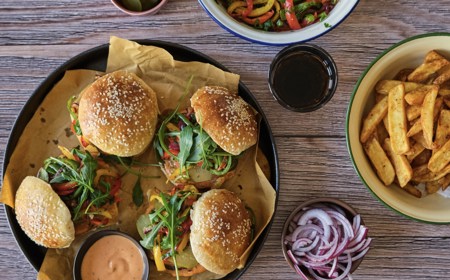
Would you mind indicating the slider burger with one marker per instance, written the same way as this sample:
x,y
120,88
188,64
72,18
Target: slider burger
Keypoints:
x,y
73,193
209,234
116,114
200,145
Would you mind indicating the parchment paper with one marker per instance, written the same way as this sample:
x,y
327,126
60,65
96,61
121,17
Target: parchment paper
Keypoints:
x,y
49,128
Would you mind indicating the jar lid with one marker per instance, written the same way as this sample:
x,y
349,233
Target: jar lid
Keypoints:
x,y
303,77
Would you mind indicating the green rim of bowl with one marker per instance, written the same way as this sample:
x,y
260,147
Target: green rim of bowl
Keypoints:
x,y
347,136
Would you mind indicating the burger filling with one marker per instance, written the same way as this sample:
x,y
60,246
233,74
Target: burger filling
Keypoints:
x,y
87,185
189,154
165,231
72,107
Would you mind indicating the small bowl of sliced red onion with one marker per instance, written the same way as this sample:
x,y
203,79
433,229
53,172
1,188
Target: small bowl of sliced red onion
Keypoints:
x,y
325,238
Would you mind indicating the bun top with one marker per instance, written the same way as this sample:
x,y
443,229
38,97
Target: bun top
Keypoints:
x,y
118,114
220,231
42,214
226,117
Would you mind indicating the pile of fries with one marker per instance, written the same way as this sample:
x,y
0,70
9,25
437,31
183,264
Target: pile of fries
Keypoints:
x,y
406,135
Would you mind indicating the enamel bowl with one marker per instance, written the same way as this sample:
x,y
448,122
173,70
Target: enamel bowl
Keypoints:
x,y
218,13
408,53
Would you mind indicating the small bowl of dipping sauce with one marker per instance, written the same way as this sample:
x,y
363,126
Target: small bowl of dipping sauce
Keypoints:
x,y
303,77
139,7
110,254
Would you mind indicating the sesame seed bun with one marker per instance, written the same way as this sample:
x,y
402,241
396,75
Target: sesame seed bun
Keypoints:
x,y
220,231
226,117
42,214
118,114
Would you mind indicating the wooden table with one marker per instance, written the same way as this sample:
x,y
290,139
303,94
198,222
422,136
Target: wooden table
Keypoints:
x,y
37,36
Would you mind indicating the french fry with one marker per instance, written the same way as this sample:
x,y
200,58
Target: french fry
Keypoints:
x,y
415,128
413,112
442,129
382,132
412,190
422,159
384,86
447,102
427,115
421,170
380,161
403,170
373,119
431,176
444,75
446,183
415,150
419,138
397,120
440,158
434,186
433,62
402,75
416,96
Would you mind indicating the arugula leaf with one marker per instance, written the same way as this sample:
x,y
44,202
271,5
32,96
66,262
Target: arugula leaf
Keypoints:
x,y
186,142
138,196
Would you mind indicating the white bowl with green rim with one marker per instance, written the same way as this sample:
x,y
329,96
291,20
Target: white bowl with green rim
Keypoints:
x,y
409,53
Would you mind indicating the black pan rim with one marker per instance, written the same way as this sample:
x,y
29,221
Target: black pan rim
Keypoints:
x,y
102,51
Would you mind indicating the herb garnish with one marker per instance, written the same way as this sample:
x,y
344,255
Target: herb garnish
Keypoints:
x,y
73,180
166,224
195,146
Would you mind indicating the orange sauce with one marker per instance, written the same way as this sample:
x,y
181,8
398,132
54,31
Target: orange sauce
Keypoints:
x,y
112,257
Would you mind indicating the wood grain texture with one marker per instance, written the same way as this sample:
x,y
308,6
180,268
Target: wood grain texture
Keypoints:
x,y
38,36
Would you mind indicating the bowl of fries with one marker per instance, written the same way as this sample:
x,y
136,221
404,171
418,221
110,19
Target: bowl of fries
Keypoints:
x,y
398,127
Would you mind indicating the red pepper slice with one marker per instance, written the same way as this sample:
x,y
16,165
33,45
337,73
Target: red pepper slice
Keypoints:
x,y
64,188
290,15
260,19
115,187
99,222
249,8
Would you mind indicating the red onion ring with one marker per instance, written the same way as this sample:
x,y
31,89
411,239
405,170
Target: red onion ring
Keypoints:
x,y
326,242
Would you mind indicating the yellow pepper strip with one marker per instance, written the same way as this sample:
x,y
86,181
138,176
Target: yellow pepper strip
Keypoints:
x,y
277,11
92,150
262,10
171,127
66,152
104,213
190,188
158,258
235,5
183,243
104,172
156,197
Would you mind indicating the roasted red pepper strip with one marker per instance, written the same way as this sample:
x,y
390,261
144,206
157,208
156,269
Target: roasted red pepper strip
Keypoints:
x,y
64,188
290,15
115,187
260,19
249,8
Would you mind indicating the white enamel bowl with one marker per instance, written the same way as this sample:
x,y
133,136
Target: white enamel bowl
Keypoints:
x,y
408,53
342,9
